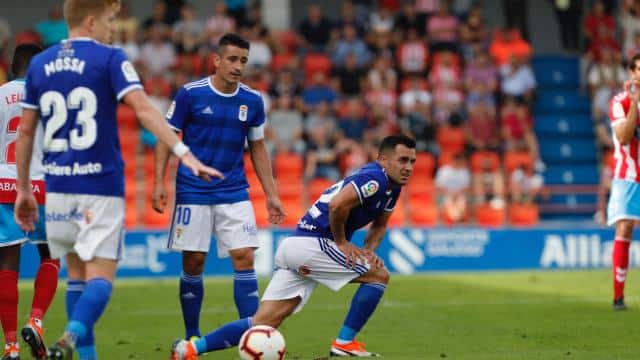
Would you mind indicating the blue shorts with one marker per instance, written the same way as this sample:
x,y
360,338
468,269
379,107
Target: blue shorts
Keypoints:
x,y
10,232
624,201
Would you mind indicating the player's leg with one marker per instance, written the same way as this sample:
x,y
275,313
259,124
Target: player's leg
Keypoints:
x,y
192,291
190,233
236,235
364,303
44,286
9,265
620,261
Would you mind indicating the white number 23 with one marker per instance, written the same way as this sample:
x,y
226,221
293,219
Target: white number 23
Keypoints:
x,y
53,103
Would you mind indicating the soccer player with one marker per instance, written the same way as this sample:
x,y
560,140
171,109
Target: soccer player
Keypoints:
x,y
624,209
74,88
217,115
320,252
11,236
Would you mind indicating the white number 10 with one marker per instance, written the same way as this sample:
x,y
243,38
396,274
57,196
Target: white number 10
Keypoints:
x,y
52,103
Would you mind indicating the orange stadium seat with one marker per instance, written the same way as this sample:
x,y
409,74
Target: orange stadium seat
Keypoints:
x,y
281,61
294,211
488,216
516,159
260,211
422,214
317,186
425,165
314,63
131,218
289,39
156,220
451,139
398,217
480,158
290,188
523,214
405,84
288,165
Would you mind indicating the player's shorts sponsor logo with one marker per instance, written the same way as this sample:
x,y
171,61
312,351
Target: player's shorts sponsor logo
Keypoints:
x,y
370,188
250,229
242,113
129,72
73,215
172,109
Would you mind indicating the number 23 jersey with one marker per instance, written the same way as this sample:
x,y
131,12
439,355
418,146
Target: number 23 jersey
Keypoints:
x,y
75,86
375,194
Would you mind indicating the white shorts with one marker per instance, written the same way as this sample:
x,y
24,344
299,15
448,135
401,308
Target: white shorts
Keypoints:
x,y
624,201
89,225
233,225
302,263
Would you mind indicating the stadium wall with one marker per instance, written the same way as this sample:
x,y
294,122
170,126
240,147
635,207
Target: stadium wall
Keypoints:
x,y
405,251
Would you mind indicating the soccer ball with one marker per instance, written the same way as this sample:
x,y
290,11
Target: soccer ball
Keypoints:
x,y
262,342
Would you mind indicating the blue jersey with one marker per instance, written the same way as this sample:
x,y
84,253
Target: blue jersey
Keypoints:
x,y
215,126
75,86
376,197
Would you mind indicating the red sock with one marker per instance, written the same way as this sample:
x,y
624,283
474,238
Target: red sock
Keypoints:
x,y
44,287
620,265
9,304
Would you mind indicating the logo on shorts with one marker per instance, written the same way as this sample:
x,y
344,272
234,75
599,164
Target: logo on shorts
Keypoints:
x,y
242,113
304,270
250,229
369,188
73,215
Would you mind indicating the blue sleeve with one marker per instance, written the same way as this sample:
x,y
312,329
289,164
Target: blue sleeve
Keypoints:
x,y
178,113
367,185
124,77
31,97
392,205
259,118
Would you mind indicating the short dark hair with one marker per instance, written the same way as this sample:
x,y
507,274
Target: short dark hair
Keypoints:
x,y
233,39
390,143
21,58
632,63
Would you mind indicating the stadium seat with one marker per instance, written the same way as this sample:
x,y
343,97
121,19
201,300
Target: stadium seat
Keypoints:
x,y
288,165
425,165
126,117
260,211
422,189
160,83
314,63
488,216
294,210
405,84
131,218
481,158
422,213
155,220
290,188
317,186
398,217
523,214
451,139
281,61
516,159
288,39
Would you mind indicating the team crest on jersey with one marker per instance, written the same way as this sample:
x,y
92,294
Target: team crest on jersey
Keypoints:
x,y
369,188
242,113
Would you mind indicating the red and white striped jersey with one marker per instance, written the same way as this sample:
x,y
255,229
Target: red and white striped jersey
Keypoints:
x,y
626,156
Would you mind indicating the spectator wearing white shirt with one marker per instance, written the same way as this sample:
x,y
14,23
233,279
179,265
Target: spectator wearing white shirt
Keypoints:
x,y
517,79
453,183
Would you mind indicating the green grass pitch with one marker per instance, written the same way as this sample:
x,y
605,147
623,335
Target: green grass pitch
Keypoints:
x,y
515,315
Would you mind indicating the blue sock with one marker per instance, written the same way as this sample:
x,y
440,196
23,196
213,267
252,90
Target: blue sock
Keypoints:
x,y
89,308
191,294
364,303
85,345
245,292
226,336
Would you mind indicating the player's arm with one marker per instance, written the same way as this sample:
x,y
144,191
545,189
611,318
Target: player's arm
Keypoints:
x,y
376,231
625,130
26,209
262,165
153,121
159,195
339,208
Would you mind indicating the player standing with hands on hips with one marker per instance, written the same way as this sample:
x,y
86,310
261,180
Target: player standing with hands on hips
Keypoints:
x,y
624,202
74,88
217,116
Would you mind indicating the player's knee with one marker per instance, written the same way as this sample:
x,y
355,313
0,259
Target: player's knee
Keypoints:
x,y
382,276
624,229
242,259
193,263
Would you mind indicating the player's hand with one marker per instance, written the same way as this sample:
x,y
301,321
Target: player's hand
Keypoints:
x,y
633,88
26,211
375,261
275,210
199,169
159,197
353,254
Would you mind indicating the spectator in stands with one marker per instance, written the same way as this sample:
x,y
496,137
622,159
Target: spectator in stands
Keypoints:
x,y
415,96
426,8
126,27
157,54
525,185
635,49
353,123
488,185
188,31
318,91
157,20
453,183
285,85
382,75
442,29
321,116
474,33
321,156
158,90
482,132
285,127
381,22
349,17
507,43
517,79
517,133
350,44
416,116
515,15
598,25
568,13
348,78
412,54
53,29
607,74
314,30
407,19
629,20
481,82
218,24
237,9
260,55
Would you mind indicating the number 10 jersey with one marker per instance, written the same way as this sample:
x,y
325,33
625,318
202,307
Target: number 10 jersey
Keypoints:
x,y
75,86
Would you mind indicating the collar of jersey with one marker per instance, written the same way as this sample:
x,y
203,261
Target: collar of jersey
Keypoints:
x,y
81,38
221,93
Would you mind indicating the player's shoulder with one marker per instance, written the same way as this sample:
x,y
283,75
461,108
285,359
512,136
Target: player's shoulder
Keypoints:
x,y
249,93
195,86
371,171
11,86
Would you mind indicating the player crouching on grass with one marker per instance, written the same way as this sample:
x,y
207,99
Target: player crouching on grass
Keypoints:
x,y
320,252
